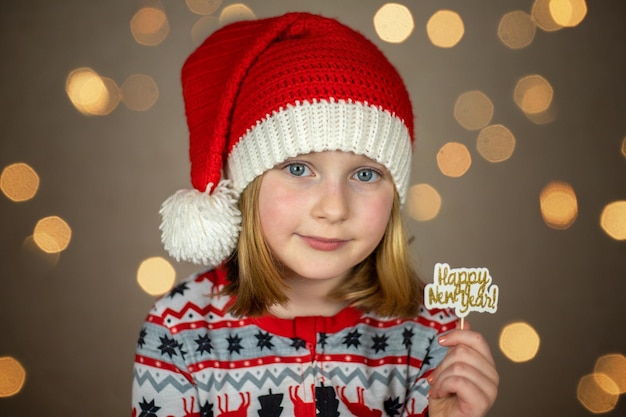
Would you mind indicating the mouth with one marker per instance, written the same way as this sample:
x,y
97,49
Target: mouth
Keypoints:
x,y
322,243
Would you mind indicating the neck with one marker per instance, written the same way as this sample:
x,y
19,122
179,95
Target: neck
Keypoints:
x,y
308,297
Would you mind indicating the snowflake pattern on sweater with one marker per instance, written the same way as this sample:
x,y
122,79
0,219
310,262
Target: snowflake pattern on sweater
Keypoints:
x,y
196,360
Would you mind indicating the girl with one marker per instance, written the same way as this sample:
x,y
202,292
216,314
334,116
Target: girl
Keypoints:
x,y
300,142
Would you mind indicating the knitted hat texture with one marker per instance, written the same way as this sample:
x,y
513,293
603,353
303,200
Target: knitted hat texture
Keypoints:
x,y
259,92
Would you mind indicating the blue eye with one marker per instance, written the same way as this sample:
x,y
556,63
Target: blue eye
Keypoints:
x,y
297,169
367,175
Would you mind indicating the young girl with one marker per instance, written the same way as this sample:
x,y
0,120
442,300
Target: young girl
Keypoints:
x,y
300,144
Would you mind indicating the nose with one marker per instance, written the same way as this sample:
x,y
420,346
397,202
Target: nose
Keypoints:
x,y
332,201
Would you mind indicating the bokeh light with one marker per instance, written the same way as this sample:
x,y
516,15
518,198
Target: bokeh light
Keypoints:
x,y
203,28
393,23
473,110
519,341
91,94
19,182
454,159
52,234
12,376
156,276
423,202
52,140
113,96
149,26
235,12
445,28
203,7
559,206
613,220
533,94
568,13
495,143
139,92
613,366
542,118
542,16
594,393
516,29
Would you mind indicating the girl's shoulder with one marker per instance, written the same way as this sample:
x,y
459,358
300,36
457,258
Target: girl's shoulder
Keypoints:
x,y
195,296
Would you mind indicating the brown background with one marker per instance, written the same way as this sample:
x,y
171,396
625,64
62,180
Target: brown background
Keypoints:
x,y
74,326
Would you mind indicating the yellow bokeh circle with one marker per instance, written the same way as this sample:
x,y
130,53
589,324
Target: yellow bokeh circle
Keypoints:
x,y
454,159
423,202
393,23
19,182
52,234
156,275
519,342
12,376
597,393
558,204
613,220
445,28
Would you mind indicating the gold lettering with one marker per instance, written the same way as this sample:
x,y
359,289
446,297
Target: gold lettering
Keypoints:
x,y
464,289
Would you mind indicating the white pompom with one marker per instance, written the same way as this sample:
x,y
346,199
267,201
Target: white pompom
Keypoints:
x,y
200,227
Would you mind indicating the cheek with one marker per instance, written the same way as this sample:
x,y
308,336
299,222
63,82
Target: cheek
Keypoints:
x,y
379,222
267,210
377,214
274,206
374,215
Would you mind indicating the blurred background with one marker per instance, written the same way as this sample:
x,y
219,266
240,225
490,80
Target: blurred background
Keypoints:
x,y
520,167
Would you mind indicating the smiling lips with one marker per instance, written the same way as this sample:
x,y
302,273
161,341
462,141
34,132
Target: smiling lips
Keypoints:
x,y
323,244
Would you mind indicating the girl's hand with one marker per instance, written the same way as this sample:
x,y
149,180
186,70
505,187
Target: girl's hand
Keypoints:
x,y
465,384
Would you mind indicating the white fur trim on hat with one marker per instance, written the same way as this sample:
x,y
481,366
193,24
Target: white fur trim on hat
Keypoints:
x,y
201,227
323,126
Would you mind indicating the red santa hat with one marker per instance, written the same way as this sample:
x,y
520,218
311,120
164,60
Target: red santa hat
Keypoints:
x,y
259,92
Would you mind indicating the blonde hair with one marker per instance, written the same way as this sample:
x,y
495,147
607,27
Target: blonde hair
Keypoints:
x,y
384,283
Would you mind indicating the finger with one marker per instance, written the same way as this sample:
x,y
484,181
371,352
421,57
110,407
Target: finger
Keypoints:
x,y
467,375
462,355
470,338
468,354
470,398
443,383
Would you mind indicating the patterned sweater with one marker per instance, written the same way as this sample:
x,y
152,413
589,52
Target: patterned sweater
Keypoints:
x,y
194,359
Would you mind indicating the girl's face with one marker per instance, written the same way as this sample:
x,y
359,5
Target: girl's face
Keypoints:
x,y
325,212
